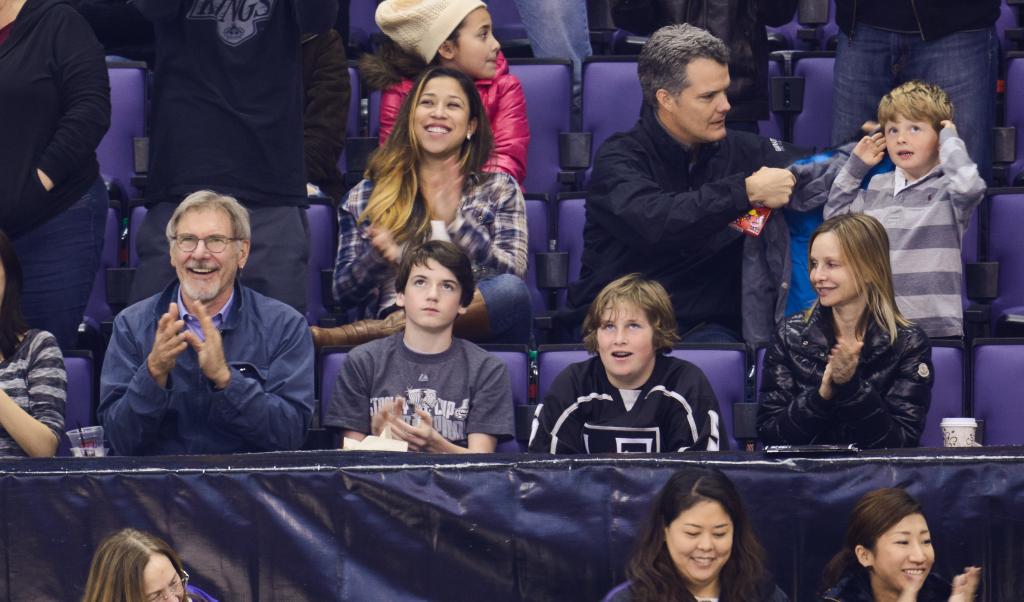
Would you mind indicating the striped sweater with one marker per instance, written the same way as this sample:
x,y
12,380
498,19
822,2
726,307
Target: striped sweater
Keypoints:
x,y
926,221
34,378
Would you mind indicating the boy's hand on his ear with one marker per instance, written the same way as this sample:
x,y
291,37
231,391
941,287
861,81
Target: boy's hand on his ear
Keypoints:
x,y
947,124
870,127
871,149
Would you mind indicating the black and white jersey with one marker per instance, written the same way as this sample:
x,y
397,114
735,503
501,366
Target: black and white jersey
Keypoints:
x,y
584,413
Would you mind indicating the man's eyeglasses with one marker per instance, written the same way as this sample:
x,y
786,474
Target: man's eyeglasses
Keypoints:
x,y
174,591
214,244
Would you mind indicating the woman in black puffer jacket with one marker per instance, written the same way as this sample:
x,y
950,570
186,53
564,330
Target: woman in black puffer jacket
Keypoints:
x,y
852,369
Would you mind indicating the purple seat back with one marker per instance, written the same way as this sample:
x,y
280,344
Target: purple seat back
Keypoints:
x,y
723,365
611,98
352,123
506,21
134,223
373,112
537,242
947,390
772,127
518,364
323,238
547,85
1015,109
97,310
998,371
969,251
361,23
116,151
78,410
1007,19
812,127
331,362
1007,247
572,214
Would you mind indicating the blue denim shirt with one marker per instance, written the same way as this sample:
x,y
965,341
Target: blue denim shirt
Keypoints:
x,y
267,405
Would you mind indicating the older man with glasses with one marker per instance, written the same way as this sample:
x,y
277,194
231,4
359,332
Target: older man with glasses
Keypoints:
x,y
207,365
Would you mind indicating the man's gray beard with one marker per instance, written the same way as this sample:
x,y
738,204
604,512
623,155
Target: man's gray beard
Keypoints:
x,y
191,293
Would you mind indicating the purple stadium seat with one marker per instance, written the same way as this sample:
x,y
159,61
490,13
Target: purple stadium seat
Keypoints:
x,y
373,111
571,217
323,239
824,33
969,251
604,112
1007,247
998,371
518,364
361,24
116,154
97,310
947,391
331,361
1015,109
547,85
352,124
772,127
813,126
538,235
725,366
138,214
506,21
1007,19
79,408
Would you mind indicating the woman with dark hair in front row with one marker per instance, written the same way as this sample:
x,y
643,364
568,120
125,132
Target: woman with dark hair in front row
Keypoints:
x,y
852,369
888,556
32,379
697,546
134,566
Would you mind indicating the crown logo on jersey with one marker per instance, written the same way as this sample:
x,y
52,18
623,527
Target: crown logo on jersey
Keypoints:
x,y
236,19
423,377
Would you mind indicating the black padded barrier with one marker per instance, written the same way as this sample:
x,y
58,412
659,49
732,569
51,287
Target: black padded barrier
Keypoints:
x,y
364,526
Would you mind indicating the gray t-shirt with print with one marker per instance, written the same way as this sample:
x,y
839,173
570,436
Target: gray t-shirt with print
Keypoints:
x,y
464,389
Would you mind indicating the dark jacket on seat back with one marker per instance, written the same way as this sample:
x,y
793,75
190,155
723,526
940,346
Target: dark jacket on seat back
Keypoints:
x,y
883,406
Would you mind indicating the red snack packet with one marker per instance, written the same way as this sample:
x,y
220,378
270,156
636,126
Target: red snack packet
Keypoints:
x,y
752,222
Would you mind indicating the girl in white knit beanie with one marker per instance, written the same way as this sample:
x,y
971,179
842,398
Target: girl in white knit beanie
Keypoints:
x,y
456,34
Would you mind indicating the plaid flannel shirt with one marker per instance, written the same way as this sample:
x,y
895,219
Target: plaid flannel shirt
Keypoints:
x,y
490,228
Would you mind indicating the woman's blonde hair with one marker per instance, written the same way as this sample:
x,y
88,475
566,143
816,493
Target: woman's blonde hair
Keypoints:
x,y
395,204
647,295
865,248
116,573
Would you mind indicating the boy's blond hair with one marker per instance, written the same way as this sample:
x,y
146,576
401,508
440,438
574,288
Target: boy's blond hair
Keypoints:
x,y
648,296
916,101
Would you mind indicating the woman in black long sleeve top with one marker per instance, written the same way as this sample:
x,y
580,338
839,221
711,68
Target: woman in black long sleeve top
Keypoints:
x,y
54,110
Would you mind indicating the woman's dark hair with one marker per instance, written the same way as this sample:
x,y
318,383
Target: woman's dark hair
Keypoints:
x,y
395,204
12,322
652,574
874,514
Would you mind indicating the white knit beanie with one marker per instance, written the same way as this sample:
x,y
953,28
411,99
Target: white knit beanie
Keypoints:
x,y
421,26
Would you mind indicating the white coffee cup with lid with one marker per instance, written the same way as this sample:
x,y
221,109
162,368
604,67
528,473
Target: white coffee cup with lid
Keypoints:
x,y
959,432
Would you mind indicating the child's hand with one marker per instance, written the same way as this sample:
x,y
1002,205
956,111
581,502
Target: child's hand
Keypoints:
x,y
871,127
947,124
871,149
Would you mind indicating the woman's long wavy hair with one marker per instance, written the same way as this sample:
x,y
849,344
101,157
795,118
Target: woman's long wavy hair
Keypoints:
x,y
652,574
395,203
12,323
116,574
865,247
875,513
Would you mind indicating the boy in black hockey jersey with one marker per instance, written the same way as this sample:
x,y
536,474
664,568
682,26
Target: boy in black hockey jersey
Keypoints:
x,y
631,397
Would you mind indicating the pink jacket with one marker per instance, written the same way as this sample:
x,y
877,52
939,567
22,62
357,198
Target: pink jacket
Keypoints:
x,y
505,105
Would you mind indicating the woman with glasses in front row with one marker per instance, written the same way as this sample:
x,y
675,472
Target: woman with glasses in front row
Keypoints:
x,y
133,566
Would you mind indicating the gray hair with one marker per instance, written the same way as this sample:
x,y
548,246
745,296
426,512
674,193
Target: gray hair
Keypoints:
x,y
207,200
665,56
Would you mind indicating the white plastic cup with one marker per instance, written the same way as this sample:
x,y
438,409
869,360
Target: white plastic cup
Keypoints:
x,y
87,441
959,432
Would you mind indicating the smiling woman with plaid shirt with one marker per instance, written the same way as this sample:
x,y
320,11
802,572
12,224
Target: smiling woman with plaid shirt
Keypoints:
x,y
424,184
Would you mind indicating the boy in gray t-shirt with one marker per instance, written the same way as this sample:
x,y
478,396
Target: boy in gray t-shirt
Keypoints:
x,y
438,393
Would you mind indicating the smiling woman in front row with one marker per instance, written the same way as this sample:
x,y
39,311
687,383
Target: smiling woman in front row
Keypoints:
x,y
852,369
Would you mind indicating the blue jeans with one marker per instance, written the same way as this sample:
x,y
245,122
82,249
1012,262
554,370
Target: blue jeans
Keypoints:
x,y
558,29
509,308
875,61
59,260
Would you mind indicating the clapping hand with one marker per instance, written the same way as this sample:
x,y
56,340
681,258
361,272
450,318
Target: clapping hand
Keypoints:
x,y
168,343
421,438
385,414
965,584
844,358
211,350
385,244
